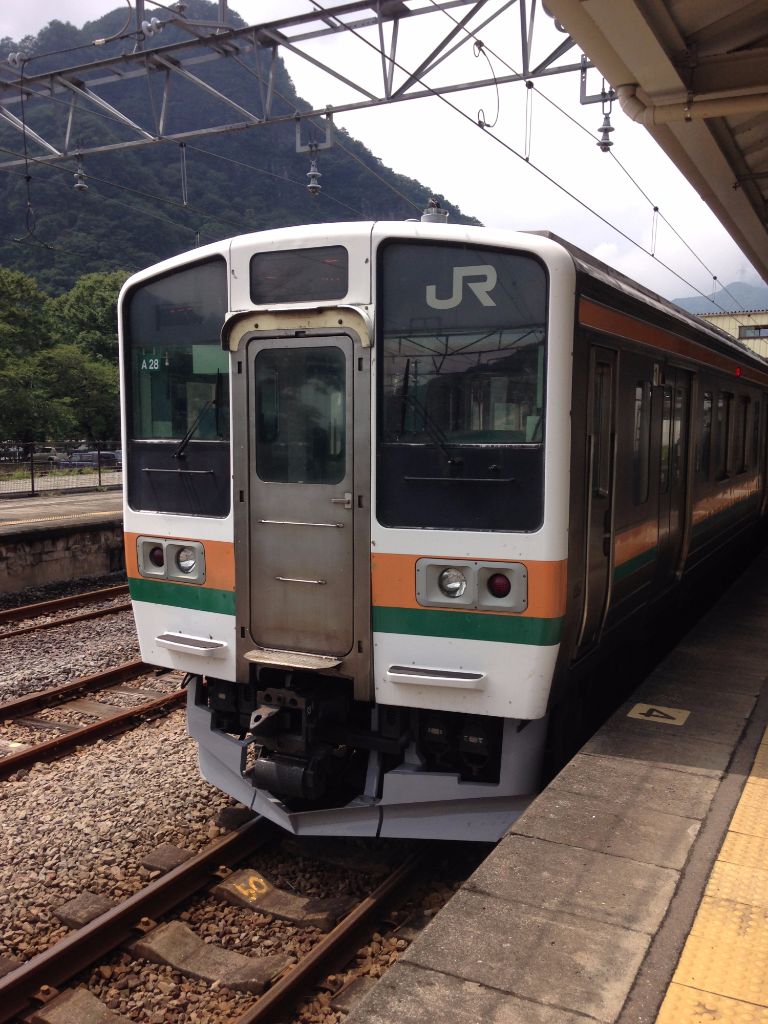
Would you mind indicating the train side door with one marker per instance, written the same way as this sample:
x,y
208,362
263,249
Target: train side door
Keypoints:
x,y
301,490
673,466
601,448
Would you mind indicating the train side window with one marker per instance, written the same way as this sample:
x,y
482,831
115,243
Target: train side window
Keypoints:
x,y
724,414
641,455
742,456
601,429
666,436
705,449
755,432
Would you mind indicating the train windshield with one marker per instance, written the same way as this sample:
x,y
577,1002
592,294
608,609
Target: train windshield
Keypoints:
x,y
463,347
462,359
179,375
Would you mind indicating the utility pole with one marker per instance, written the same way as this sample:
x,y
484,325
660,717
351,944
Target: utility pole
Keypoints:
x,y
139,20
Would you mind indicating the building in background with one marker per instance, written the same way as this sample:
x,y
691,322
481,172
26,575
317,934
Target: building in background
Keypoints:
x,y
749,326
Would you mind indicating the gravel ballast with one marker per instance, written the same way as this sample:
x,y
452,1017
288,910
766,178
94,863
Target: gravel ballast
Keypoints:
x,y
62,588
42,660
86,821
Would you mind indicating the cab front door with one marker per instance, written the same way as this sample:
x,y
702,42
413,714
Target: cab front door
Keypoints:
x,y
301,478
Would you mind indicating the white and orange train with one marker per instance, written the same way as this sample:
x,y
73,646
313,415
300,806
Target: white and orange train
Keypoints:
x,y
391,488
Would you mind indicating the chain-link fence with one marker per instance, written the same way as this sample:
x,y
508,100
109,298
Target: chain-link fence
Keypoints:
x,y
29,469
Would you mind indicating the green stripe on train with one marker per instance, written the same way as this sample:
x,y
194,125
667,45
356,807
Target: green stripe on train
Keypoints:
x,y
506,629
633,564
183,595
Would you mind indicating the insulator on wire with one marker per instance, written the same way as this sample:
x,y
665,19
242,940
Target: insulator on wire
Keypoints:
x,y
313,174
605,143
16,59
80,185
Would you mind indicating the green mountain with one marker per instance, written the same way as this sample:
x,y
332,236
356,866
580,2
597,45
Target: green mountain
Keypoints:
x,y
121,222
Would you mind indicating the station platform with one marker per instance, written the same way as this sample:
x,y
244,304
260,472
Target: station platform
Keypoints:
x,y
59,537
634,889
45,512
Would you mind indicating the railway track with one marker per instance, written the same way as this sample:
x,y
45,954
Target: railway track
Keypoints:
x,y
45,977
42,608
25,714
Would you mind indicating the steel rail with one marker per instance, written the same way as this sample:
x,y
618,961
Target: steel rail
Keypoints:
x,y
78,737
97,614
336,948
31,611
42,699
126,921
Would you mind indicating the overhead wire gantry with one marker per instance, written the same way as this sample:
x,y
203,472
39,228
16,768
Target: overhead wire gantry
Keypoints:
x,y
95,85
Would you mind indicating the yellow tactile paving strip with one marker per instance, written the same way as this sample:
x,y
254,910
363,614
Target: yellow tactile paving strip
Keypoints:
x,y
723,971
49,519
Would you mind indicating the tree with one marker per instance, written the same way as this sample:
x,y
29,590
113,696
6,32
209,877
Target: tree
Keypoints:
x,y
87,386
27,410
23,322
87,315
58,360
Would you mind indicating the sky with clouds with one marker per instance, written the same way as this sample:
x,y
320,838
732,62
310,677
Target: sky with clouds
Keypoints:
x,y
430,140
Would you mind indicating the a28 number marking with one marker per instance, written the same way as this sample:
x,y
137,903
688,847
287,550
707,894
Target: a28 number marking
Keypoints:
x,y
150,364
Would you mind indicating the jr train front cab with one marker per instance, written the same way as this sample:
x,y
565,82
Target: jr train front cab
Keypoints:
x,y
346,515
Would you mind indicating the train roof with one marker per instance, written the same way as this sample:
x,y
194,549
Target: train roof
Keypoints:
x,y
599,271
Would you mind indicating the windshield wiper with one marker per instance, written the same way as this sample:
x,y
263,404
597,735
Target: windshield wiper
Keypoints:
x,y
211,403
188,436
432,429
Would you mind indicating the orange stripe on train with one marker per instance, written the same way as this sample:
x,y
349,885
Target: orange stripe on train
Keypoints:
x,y
723,500
635,542
393,584
624,326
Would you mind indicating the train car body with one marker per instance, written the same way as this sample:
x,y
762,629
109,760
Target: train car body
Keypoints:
x,y
391,488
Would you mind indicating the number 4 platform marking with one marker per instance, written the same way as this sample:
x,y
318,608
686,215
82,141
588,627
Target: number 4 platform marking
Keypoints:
x,y
654,713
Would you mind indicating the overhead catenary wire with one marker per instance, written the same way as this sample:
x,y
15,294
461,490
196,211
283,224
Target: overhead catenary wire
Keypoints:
x,y
135,191
67,252
218,156
122,34
45,183
482,126
530,85
519,156
108,117
336,141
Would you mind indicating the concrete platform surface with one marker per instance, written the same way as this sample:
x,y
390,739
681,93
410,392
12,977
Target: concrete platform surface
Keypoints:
x,y
30,515
584,908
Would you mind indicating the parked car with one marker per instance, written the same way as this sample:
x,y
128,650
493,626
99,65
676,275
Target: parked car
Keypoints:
x,y
48,456
90,460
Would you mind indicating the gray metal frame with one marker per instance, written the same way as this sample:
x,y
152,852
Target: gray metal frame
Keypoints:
x,y
212,41
357,665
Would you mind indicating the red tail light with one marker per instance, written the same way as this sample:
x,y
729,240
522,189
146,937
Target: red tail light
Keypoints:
x,y
499,585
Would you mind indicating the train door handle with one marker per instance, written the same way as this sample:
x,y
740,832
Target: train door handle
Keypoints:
x,y
346,501
607,534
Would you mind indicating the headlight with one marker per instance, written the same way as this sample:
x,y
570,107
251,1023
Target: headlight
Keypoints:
x,y
452,582
186,559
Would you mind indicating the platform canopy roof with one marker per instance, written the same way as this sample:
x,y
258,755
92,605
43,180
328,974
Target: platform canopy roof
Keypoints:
x,y
695,73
